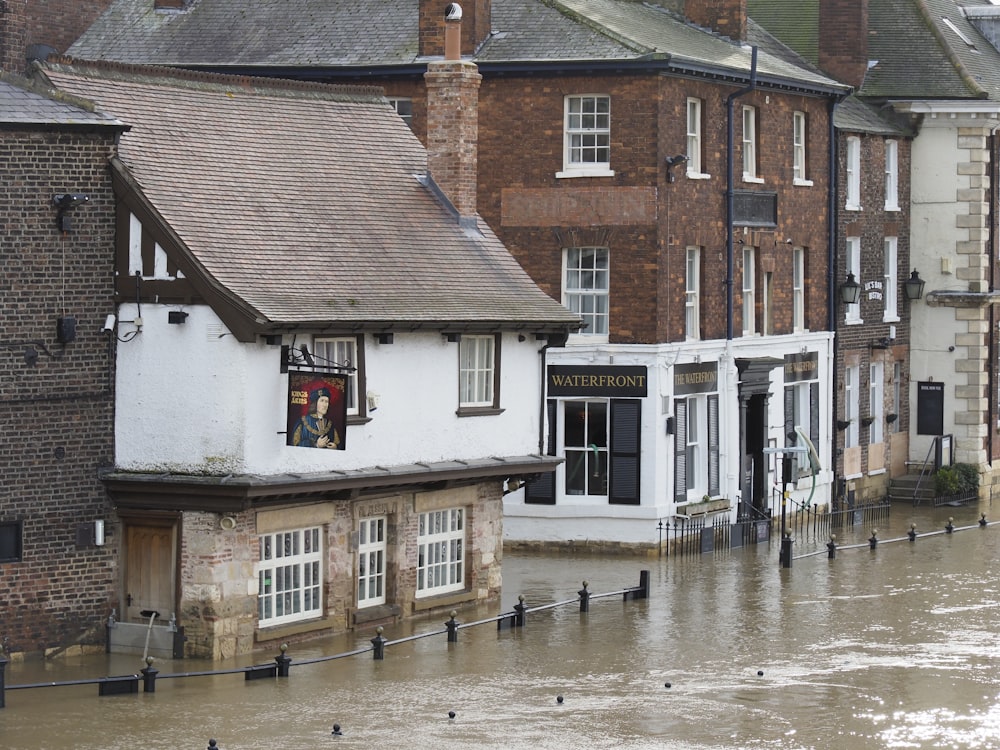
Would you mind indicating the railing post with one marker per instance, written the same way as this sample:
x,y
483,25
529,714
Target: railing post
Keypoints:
x,y
379,643
873,539
982,519
213,745
3,666
643,584
519,611
912,533
452,626
831,547
283,660
584,598
149,673
950,527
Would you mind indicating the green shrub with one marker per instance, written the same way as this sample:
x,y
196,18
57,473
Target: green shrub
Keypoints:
x,y
968,477
958,479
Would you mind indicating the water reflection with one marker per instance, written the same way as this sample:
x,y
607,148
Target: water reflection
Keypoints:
x,y
891,648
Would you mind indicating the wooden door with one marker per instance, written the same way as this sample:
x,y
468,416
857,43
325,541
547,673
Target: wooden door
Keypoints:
x,y
150,579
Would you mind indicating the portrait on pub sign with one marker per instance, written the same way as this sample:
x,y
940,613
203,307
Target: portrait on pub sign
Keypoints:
x,y
317,410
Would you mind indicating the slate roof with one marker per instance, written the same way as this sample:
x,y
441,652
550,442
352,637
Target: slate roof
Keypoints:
x,y
305,34
21,104
303,201
856,116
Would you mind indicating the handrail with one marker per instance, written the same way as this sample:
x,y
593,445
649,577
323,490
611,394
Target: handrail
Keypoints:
x,y
923,468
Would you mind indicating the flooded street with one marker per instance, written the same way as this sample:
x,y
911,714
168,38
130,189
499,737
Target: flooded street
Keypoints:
x,y
897,647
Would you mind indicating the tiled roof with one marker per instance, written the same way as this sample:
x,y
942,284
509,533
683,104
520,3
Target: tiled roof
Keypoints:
x,y
303,200
21,104
353,33
855,116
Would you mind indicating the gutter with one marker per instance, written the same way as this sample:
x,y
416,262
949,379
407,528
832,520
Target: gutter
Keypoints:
x,y
730,149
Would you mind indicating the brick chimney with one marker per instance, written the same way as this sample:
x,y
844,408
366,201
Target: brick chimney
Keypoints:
x,y
843,40
453,120
725,17
476,23
30,28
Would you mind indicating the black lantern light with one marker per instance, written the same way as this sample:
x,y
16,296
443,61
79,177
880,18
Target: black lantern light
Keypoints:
x,y
850,290
913,287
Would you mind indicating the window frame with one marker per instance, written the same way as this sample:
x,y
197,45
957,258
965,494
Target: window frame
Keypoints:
x,y
852,259
16,551
852,407
751,165
310,567
574,128
798,289
800,150
486,377
696,464
692,294
370,552
695,138
890,249
876,401
452,541
594,451
405,116
892,175
852,174
897,396
600,296
355,380
749,290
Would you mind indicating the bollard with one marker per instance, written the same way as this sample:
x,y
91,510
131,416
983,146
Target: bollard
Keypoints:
x,y
379,643
785,554
3,684
912,533
149,676
519,610
283,660
213,745
584,598
831,547
873,540
982,519
951,526
643,585
452,626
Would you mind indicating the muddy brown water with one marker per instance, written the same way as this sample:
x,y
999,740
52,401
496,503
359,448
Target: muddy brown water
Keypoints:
x,y
897,647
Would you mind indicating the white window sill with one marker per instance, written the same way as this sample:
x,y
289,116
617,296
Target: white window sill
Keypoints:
x,y
852,207
751,179
877,471
698,176
585,172
893,208
802,183
586,339
890,319
853,321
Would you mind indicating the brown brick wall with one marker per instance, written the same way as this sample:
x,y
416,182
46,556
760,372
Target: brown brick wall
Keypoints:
x,y
56,23
56,415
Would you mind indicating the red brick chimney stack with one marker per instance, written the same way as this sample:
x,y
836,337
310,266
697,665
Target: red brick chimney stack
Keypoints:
x,y
843,40
453,120
725,17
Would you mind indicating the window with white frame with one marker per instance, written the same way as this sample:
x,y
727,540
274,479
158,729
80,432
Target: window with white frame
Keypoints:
x,y
441,552
343,352
289,576
694,137
798,289
891,176
897,396
891,280
853,174
852,374
749,291
767,304
876,389
371,561
585,288
403,107
802,411
800,140
477,382
692,292
750,144
585,439
853,312
696,453
587,136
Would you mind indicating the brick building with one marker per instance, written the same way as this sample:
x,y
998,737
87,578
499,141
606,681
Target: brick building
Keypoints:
x,y
58,549
704,280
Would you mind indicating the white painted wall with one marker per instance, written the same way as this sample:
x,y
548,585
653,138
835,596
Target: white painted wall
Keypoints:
x,y
192,399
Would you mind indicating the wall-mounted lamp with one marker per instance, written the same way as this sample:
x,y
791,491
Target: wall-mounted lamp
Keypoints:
x,y
65,202
913,287
383,338
674,161
176,317
850,290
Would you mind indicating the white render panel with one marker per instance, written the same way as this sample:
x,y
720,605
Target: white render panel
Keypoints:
x,y
190,400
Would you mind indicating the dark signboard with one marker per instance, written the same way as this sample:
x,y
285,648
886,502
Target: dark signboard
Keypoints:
x,y
600,380
799,367
696,378
317,410
930,408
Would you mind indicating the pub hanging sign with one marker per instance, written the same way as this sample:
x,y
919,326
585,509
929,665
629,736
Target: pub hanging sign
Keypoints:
x,y
602,380
317,410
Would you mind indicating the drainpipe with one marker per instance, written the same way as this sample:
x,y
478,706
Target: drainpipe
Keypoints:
x,y
833,299
730,148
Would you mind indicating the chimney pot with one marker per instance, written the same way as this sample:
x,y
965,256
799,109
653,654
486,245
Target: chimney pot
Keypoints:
x,y
453,32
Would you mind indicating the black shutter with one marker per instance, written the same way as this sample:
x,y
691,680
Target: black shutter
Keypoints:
x,y
713,445
542,491
680,450
624,452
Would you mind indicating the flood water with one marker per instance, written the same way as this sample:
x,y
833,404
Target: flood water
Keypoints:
x,y
897,647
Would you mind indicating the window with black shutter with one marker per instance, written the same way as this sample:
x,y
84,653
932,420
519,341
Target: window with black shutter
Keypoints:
x,y
625,443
